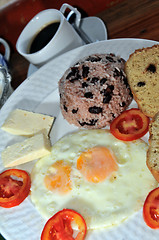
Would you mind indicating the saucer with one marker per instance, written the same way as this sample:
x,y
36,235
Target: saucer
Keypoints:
x,y
94,27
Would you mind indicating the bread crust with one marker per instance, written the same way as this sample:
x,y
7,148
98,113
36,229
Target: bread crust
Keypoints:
x,y
141,49
152,153
154,172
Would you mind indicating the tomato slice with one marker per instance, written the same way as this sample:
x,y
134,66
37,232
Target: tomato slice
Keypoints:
x,y
59,226
14,187
151,209
130,125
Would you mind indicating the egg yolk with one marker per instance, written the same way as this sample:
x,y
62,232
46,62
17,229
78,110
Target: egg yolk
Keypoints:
x,y
97,164
58,177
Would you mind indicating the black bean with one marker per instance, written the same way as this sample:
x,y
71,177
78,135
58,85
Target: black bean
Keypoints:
x,y
122,104
102,81
73,75
85,71
88,95
65,108
107,99
74,79
92,122
113,115
93,59
123,77
74,111
74,71
69,75
125,81
84,85
110,87
141,84
95,110
110,59
94,80
108,90
117,73
77,63
151,68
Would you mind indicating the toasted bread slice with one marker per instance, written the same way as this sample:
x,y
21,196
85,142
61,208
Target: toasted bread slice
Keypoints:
x,y
142,70
153,150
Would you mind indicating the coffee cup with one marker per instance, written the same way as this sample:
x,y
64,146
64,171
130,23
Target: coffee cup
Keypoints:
x,y
46,36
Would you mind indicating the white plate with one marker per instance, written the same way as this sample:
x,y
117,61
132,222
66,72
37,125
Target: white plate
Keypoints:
x,y
94,27
39,93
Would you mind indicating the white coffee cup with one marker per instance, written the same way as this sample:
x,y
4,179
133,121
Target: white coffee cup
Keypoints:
x,y
65,38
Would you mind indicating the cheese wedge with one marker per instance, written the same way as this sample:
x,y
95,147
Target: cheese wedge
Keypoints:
x,y
25,123
30,149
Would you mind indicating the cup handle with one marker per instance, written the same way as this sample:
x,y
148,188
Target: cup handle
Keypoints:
x,y
7,49
78,14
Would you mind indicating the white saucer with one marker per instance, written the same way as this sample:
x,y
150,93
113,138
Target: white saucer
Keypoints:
x,y
94,27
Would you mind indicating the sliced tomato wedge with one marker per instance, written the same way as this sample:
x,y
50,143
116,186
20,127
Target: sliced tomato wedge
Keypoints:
x,y
14,187
59,227
130,125
151,209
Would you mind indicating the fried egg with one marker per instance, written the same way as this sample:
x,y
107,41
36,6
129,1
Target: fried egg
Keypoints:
x,y
104,179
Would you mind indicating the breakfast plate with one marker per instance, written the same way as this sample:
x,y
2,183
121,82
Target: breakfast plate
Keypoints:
x,y
39,93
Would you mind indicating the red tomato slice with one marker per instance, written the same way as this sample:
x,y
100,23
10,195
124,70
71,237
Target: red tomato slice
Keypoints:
x,y
14,187
130,125
151,209
59,226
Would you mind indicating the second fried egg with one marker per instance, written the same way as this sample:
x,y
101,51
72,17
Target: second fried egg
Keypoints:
x,y
104,179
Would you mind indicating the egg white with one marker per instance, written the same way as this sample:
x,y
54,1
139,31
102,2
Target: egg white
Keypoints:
x,y
101,204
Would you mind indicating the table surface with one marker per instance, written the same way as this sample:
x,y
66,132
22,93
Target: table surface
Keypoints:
x,y
128,19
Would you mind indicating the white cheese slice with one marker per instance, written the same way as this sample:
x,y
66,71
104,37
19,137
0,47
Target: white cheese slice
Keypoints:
x,y
25,123
30,149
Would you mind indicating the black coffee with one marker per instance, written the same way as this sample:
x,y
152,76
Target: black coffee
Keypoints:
x,y
44,37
